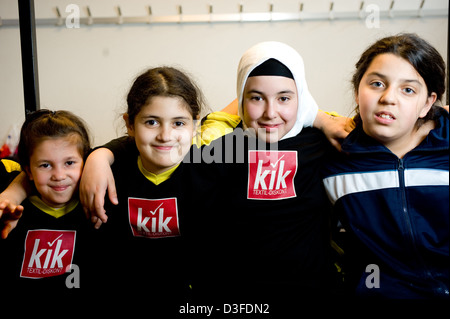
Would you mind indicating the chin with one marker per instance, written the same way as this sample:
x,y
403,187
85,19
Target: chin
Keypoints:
x,y
269,139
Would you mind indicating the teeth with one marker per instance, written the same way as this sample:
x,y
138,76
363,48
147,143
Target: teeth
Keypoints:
x,y
386,116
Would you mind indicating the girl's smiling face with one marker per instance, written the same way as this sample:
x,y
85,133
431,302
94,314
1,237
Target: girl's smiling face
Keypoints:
x,y
55,167
270,106
163,132
391,97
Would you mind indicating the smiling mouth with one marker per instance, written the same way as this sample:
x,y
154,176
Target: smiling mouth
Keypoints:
x,y
163,148
59,188
386,116
269,127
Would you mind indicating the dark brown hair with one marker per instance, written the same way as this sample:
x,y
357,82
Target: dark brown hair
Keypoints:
x,y
419,53
163,81
46,124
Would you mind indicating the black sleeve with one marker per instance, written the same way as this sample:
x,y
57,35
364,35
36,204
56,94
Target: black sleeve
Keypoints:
x,y
122,147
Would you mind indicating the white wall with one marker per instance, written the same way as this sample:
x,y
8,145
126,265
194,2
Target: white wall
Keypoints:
x,y
89,70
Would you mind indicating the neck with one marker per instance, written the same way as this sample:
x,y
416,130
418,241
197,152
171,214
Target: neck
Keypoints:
x,y
401,148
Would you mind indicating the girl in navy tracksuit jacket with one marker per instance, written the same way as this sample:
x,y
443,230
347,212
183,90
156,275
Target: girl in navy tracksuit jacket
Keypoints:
x,y
389,187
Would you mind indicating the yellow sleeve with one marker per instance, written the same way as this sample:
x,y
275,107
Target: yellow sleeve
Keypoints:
x,y
11,166
216,125
333,113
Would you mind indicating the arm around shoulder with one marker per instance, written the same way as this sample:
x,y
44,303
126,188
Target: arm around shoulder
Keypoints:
x,y
97,178
335,128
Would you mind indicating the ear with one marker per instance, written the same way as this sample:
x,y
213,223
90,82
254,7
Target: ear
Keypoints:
x,y
130,127
428,104
356,97
28,171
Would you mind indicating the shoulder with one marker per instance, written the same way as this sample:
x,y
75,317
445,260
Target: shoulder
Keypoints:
x,y
8,171
10,165
436,133
217,124
309,137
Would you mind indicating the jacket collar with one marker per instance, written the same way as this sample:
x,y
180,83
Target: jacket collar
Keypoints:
x,y
438,139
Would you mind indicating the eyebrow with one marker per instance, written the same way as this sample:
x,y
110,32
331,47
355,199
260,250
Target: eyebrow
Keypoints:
x,y
262,93
159,117
402,80
65,159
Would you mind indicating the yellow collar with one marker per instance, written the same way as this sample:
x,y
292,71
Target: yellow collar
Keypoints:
x,y
55,212
156,178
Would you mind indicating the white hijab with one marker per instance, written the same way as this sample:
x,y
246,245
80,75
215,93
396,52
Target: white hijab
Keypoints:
x,y
261,52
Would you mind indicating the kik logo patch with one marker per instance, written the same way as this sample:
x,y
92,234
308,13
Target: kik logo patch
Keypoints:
x,y
153,218
47,253
271,174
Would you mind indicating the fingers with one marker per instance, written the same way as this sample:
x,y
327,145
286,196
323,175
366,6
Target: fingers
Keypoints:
x,y
85,204
99,209
3,206
93,209
10,220
336,144
17,213
112,193
8,227
99,217
6,207
96,221
349,125
93,204
5,231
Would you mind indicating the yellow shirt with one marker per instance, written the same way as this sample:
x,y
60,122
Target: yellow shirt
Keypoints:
x,y
55,212
156,178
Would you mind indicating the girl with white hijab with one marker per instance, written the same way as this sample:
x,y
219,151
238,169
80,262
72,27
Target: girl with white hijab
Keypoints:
x,y
273,58
280,236
290,62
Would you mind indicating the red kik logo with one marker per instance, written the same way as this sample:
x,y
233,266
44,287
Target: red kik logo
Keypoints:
x,y
271,174
153,218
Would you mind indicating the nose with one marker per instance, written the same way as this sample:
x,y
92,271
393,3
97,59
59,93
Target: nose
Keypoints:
x,y
270,111
389,96
58,174
164,133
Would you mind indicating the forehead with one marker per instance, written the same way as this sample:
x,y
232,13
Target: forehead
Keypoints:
x,y
393,66
166,106
268,84
57,145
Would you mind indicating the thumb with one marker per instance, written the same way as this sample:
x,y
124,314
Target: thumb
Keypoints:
x,y
11,223
336,144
